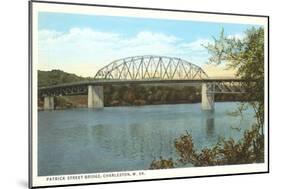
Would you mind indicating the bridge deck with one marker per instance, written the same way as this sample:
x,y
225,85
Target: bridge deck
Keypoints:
x,y
145,81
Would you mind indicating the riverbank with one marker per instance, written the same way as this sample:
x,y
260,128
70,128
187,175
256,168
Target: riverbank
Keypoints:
x,y
139,95
81,102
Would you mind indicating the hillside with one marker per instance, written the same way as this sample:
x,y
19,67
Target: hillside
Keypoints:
x,y
54,77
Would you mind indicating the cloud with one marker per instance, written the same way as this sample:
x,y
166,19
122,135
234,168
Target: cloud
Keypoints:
x,y
84,50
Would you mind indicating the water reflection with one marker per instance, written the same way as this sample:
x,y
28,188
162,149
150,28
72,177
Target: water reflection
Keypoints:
x,y
126,138
209,119
133,141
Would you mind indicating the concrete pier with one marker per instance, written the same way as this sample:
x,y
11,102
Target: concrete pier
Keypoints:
x,y
49,103
207,99
95,96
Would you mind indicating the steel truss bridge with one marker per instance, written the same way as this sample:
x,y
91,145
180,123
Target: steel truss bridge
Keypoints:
x,y
147,69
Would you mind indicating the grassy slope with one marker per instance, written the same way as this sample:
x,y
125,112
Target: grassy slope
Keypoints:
x,y
54,77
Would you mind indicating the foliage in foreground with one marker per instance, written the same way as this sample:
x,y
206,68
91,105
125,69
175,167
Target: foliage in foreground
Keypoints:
x,y
162,164
249,149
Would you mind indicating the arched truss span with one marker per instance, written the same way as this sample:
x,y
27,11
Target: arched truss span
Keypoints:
x,y
151,67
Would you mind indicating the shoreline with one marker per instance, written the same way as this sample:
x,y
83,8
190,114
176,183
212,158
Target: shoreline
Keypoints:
x,y
133,105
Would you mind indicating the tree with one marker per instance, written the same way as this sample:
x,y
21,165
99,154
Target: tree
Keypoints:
x,y
246,56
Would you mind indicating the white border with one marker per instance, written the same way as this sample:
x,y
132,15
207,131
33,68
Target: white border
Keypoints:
x,y
148,174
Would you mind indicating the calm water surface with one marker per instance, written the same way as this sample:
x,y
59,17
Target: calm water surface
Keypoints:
x,y
128,138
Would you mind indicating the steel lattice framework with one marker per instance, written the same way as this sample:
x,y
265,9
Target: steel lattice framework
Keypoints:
x,y
226,87
151,67
149,70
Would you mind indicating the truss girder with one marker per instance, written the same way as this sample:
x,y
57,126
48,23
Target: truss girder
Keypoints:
x,y
226,87
151,67
64,91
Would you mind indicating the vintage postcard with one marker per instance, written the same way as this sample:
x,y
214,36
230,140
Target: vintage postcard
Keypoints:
x,y
122,94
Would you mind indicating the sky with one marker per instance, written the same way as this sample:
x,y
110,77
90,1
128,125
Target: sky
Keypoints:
x,y
82,44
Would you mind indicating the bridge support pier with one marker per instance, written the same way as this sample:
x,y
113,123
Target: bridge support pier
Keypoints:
x,y
95,96
207,99
49,103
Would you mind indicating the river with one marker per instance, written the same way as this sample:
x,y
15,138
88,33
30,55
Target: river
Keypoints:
x,y
77,141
